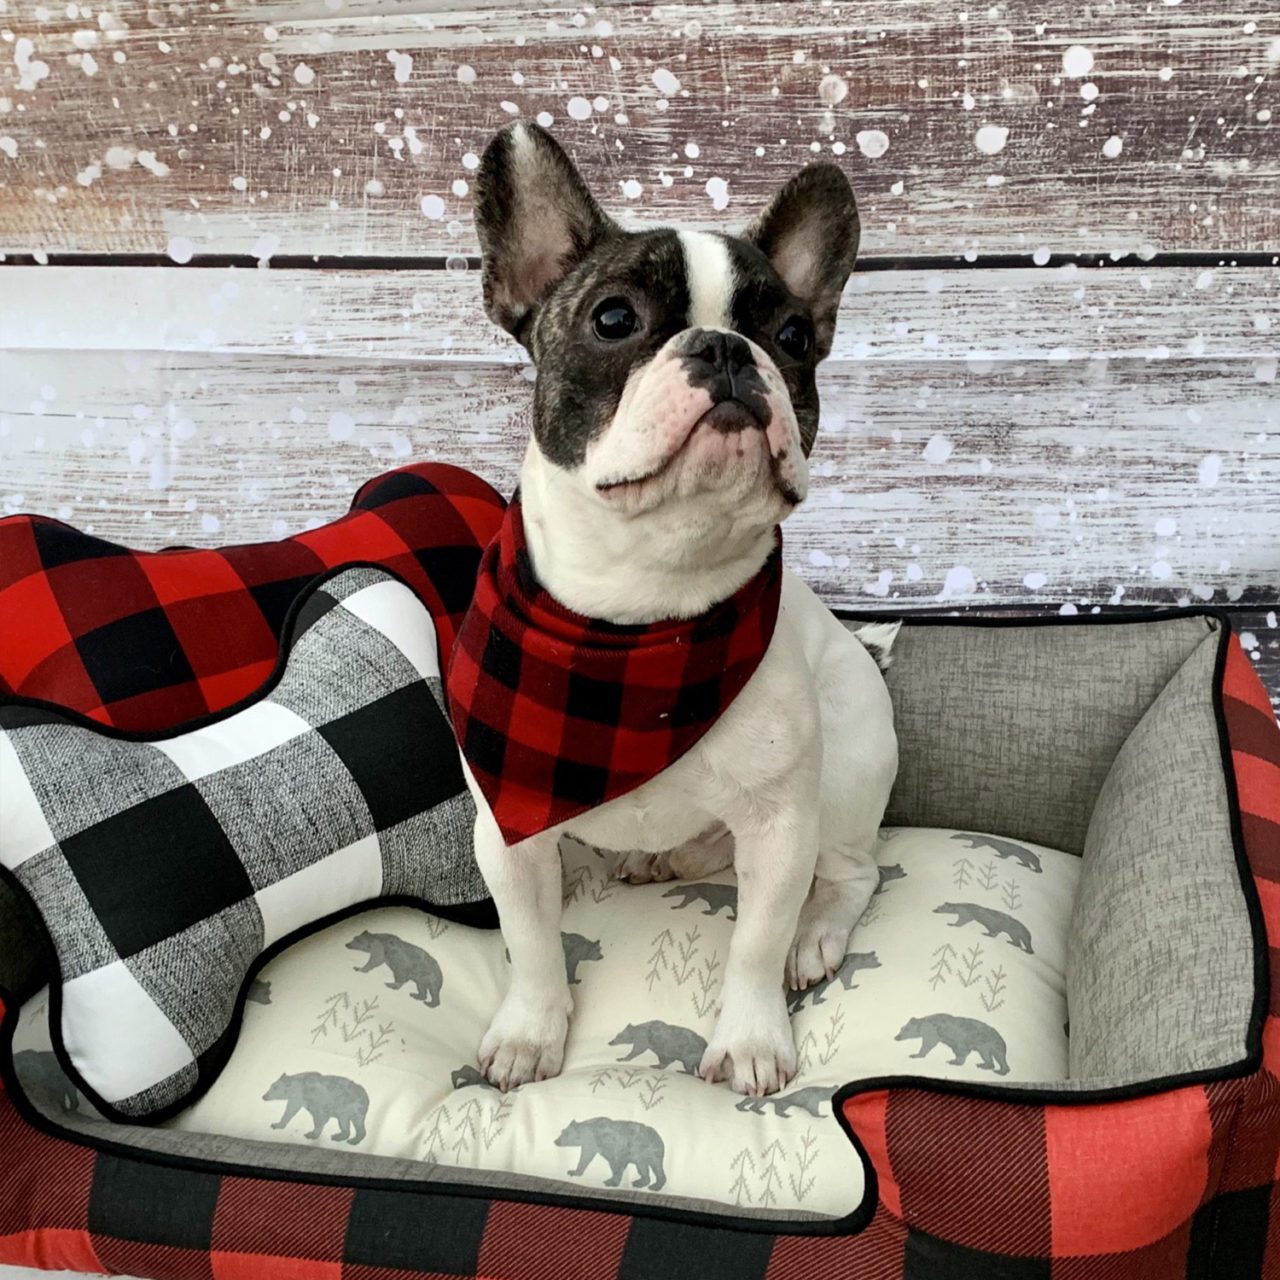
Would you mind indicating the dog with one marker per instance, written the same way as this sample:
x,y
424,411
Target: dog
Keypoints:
x,y
674,410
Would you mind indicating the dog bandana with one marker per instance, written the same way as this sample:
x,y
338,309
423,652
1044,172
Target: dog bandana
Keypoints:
x,y
556,713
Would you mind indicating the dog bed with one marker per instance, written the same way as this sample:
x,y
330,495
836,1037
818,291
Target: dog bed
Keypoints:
x,y
365,1033
1140,1140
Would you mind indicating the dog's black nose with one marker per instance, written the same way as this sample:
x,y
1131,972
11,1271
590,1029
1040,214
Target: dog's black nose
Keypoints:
x,y
722,364
721,352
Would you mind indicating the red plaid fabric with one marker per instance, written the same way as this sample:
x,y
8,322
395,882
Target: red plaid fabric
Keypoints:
x,y
145,640
1181,1185
557,713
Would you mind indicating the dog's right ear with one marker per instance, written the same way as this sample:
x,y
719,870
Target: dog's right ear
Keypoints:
x,y
536,220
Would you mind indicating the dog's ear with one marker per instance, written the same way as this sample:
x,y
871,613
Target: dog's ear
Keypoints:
x,y
536,220
810,234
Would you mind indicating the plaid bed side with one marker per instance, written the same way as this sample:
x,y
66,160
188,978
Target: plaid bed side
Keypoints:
x,y
146,640
1247,1212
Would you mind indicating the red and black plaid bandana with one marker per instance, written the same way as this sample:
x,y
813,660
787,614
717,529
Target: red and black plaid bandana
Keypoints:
x,y
556,713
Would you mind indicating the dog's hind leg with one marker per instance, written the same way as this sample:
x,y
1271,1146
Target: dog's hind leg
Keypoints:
x,y
708,852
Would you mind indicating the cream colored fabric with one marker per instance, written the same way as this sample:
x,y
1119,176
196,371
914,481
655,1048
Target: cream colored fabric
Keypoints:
x,y
371,1027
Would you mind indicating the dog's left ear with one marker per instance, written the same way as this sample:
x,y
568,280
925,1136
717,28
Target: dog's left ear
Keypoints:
x,y
810,234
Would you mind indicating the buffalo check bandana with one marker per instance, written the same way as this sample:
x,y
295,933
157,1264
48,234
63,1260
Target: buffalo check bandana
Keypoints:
x,y
556,713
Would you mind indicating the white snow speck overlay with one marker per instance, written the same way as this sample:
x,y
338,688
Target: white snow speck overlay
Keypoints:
x,y
1031,398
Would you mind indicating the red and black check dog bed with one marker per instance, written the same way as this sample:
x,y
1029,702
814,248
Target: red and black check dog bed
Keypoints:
x,y
146,640
1157,1160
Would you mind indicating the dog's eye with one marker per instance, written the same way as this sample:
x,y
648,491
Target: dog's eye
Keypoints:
x,y
614,319
794,338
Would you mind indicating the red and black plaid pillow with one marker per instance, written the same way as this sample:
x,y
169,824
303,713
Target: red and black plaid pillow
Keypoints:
x,y
146,640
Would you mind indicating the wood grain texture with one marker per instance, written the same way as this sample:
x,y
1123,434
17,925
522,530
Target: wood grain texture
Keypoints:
x,y
1114,438
352,126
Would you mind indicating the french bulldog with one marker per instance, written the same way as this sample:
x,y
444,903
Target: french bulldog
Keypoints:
x,y
674,410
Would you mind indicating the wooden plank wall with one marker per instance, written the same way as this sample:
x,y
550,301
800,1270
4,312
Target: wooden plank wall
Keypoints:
x,y
1055,380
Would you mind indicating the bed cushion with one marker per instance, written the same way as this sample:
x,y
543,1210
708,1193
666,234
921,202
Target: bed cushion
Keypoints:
x,y
162,868
364,1035
146,640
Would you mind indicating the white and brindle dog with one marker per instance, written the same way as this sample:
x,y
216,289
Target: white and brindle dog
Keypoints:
x,y
674,411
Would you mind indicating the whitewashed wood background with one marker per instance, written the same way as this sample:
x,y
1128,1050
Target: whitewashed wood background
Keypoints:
x,y
999,429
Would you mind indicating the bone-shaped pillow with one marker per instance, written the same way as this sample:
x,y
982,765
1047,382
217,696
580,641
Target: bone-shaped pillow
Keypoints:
x,y
165,869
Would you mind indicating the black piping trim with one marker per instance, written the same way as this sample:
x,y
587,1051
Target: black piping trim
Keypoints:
x,y
482,914
436,262
863,1213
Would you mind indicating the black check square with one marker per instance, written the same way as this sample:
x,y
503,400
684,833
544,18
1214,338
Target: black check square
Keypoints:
x,y
931,1258
484,747
599,701
110,657
152,1204
171,843
400,751
586,782
410,1231
276,598
501,659
453,570
57,544
657,1250
1238,1216
695,704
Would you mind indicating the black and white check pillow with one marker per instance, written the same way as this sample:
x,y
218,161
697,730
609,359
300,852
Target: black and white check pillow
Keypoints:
x,y
164,868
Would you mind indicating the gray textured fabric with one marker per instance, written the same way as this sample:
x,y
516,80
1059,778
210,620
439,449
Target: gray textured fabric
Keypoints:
x,y
1160,963
1012,729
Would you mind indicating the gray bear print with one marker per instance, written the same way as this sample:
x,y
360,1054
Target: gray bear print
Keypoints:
x,y
851,964
888,874
326,1098
667,1043
716,897
809,1099
962,1036
467,1075
259,992
1001,848
621,1142
406,962
42,1070
994,922
577,949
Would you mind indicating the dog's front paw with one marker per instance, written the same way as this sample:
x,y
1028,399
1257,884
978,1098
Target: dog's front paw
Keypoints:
x,y
525,1041
752,1046
827,920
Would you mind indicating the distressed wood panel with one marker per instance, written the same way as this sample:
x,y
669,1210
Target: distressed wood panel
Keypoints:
x,y
977,317
352,126
1139,463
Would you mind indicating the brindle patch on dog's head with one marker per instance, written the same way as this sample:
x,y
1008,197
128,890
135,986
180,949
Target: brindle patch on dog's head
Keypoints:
x,y
553,259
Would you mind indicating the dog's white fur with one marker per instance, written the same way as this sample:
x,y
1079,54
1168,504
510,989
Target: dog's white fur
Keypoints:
x,y
798,769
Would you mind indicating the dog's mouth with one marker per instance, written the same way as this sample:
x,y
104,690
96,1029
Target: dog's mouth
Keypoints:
x,y
728,417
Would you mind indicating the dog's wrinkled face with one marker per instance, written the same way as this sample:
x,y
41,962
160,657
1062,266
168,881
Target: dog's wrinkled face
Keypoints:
x,y
671,364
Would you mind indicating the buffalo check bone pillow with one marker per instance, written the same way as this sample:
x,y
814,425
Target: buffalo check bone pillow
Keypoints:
x,y
164,869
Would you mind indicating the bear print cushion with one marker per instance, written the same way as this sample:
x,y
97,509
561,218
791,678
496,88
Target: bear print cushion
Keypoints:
x,y
162,868
364,1036
146,640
